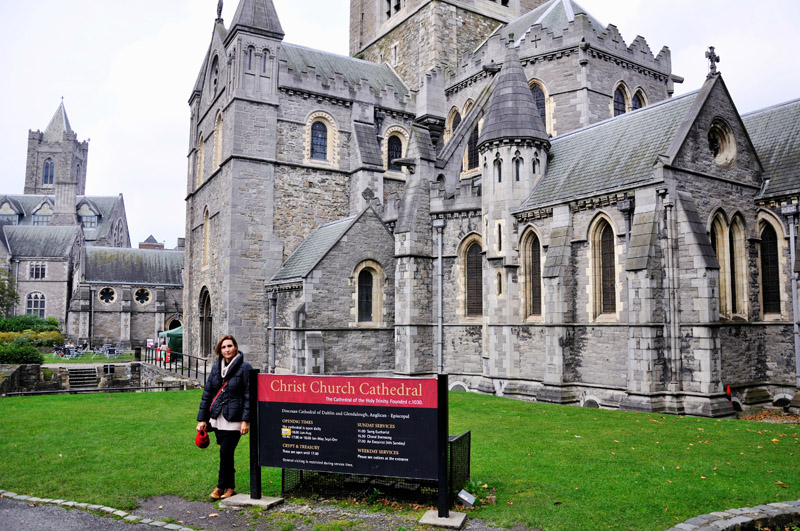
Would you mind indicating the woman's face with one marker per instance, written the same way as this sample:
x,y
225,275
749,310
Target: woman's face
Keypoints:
x,y
228,350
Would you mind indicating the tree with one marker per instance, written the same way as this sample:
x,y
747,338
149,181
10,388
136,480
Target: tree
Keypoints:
x,y
8,293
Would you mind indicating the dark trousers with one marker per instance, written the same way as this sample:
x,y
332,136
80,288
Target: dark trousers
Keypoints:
x,y
227,441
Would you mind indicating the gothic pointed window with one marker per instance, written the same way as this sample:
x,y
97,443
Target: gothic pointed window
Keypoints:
x,y
48,171
472,150
474,280
206,322
319,141
638,101
456,121
35,304
365,282
619,102
199,161
395,151
770,281
218,142
539,101
517,166
498,168
534,276
604,267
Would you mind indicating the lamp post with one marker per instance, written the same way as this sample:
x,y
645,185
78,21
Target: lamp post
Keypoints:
x,y
439,224
791,211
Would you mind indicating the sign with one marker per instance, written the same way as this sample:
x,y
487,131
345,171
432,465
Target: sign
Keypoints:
x,y
352,425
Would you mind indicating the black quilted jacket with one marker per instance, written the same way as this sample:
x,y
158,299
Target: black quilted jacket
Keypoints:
x,y
234,401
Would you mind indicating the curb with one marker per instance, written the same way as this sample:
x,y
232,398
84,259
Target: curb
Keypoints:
x,y
774,514
110,511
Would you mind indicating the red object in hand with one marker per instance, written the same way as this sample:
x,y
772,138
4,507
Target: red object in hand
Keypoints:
x,y
201,439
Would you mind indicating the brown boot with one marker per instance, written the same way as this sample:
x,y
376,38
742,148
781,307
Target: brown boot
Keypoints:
x,y
216,493
228,493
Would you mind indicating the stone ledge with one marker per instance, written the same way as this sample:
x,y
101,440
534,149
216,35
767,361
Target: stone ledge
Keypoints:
x,y
744,519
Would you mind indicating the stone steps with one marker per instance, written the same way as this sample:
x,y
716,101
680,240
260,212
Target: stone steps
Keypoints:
x,y
83,378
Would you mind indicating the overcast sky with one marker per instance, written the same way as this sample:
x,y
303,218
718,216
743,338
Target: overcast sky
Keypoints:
x,y
126,68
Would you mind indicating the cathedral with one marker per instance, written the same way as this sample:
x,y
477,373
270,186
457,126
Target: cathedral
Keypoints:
x,y
503,191
70,254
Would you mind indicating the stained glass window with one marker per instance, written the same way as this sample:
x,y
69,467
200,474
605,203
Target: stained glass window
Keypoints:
x,y
319,141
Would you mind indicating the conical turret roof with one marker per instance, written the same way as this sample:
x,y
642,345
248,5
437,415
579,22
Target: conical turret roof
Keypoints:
x,y
59,124
257,16
512,113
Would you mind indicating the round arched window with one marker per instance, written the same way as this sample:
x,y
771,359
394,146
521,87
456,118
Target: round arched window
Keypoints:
x,y
142,296
721,143
107,295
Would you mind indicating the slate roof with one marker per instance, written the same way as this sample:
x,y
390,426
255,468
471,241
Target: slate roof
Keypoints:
x,y
114,265
368,146
40,242
512,112
354,71
618,152
257,16
105,204
312,250
775,133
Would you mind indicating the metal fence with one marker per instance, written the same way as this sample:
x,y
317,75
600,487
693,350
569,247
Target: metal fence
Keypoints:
x,y
306,482
178,363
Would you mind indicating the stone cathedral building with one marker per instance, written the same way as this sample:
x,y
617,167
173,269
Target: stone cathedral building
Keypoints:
x,y
69,253
503,190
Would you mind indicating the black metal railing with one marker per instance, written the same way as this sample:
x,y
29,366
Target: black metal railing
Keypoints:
x,y
178,363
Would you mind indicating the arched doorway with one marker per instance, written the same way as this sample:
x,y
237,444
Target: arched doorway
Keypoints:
x,y
206,339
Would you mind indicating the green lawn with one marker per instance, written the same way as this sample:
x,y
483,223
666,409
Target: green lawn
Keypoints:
x,y
556,468
50,359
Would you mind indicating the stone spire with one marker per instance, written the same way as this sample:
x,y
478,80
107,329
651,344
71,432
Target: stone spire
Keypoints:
x,y
512,113
256,16
59,124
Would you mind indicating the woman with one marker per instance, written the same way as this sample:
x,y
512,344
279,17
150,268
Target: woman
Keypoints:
x,y
225,409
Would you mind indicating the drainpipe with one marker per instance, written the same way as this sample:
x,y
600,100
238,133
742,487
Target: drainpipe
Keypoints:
x,y
439,225
790,211
273,306
91,315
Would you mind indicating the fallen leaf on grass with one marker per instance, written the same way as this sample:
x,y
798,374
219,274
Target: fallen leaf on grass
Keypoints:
x,y
703,477
782,484
775,441
669,481
509,502
484,486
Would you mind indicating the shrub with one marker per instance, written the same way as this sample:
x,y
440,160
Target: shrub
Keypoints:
x,y
37,339
20,352
21,323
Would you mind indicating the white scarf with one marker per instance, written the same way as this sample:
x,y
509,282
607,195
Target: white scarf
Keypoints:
x,y
226,366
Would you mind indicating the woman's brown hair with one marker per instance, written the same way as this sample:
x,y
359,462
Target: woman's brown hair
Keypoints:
x,y
218,349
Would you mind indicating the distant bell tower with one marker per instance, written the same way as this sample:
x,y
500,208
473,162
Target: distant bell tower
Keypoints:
x,y
55,155
414,36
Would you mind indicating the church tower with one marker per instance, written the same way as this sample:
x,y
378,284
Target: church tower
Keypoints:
x,y
414,36
55,155
230,185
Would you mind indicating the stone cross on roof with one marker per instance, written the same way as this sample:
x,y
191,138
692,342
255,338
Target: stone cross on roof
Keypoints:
x,y
219,9
713,59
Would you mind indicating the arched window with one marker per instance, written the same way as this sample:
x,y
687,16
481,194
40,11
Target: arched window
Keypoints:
x,y
218,141
35,304
456,121
48,171
206,321
539,101
498,168
365,284
472,149
474,280
214,75
206,238
517,166
319,141
534,276
395,151
738,266
770,278
200,160
250,53
619,102
638,100
264,59
605,275
535,164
